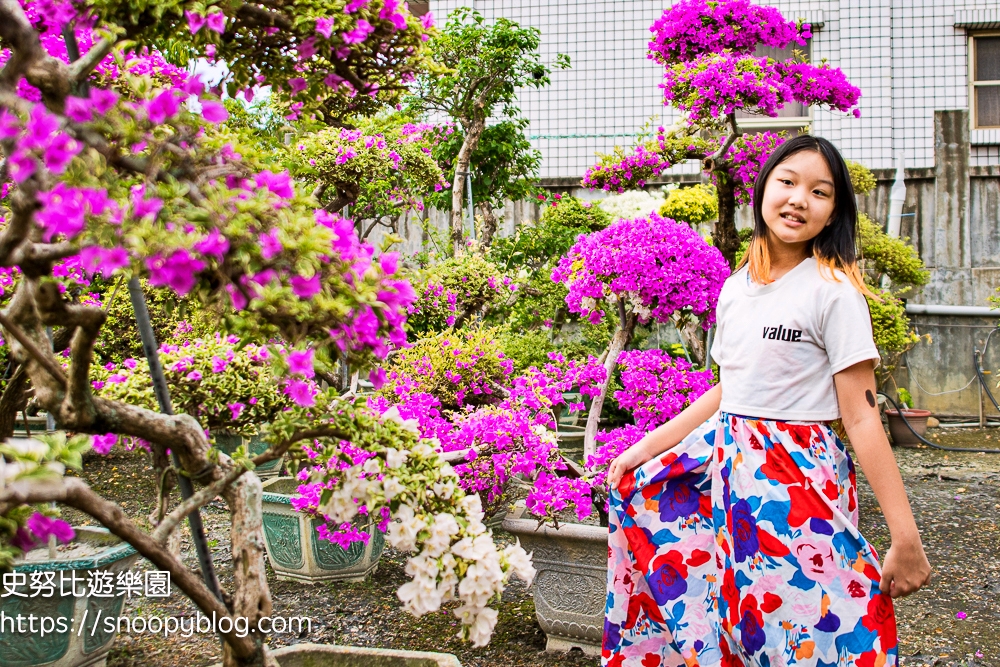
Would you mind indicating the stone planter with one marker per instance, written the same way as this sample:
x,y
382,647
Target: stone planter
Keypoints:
x,y
296,552
570,588
229,443
319,655
901,435
92,549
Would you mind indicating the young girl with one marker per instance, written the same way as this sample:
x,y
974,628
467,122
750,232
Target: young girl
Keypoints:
x,y
734,541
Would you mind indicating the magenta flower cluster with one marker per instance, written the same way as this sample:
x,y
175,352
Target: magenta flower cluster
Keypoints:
x,y
657,386
691,28
656,267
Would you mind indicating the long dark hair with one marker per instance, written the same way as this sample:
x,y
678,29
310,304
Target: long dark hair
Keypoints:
x,y
836,246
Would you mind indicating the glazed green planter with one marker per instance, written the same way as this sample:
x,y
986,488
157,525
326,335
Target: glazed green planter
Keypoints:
x,y
297,553
320,655
70,648
229,443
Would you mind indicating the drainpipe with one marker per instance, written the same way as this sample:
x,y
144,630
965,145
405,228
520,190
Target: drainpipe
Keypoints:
x,y
954,311
897,196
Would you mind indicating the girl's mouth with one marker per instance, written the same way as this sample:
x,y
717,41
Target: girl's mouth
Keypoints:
x,y
793,217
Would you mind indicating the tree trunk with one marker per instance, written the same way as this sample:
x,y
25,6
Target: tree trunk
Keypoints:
x,y
13,400
490,222
621,338
694,339
472,135
725,236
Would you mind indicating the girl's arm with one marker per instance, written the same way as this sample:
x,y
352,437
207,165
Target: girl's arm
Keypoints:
x,y
666,436
905,568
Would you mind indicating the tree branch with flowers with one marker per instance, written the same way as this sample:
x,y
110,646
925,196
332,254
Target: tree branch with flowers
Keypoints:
x,y
706,48
128,179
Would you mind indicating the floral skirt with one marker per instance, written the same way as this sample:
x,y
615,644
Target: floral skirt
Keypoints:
x,y
739,547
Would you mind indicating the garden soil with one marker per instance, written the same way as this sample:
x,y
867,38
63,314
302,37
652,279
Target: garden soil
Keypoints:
x,y
953,622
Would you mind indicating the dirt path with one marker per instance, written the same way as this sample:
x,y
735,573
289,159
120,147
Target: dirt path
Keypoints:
x,y
955,496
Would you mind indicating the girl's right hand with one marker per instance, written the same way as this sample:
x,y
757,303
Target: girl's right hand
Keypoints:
x,y
631,458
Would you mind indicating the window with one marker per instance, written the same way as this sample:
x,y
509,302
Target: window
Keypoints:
x,y
985,70
794,115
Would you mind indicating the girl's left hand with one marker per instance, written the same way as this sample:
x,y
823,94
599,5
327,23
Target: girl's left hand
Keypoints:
x,y
905,569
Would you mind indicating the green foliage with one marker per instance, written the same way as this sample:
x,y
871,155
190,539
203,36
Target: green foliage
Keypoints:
x,y
481,67
450,292
862,179
904,397
892,332
207,377
504,165
696,205
458,368
527,348
249,47
883,255
542,244
387,174
745,235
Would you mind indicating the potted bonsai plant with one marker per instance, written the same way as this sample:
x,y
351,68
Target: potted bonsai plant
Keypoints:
x,y
135,181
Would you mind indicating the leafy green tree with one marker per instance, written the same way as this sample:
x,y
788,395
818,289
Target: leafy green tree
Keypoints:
x,y
483,66
503,166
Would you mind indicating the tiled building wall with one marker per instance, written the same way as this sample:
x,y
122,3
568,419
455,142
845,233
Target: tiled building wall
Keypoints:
x,y
907,57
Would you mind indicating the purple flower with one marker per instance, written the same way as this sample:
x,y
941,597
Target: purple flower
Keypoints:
x,y
102,444
302,392
142,207
427,21
193,376
103,100
377,377
300,362
59,152
42,526
179,271
103,260
39,129
10,125
214,112
163,106
235,410
214,245
270,246
355,5
219,364
306,288
359,34
20,166
389,261
63,210
279,184
216,22
79,109
195,22
324,26
297,85
130,363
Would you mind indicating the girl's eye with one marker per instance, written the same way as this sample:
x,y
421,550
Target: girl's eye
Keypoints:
x,y
785,181
819,193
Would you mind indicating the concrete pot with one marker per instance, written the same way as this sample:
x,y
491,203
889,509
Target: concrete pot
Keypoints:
x,y
901,435
571,586
70,648
229,443
296,552
320,655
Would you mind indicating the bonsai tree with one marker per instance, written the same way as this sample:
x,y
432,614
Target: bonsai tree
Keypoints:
x,y
706,48
483,66
641,270
503,165
131,180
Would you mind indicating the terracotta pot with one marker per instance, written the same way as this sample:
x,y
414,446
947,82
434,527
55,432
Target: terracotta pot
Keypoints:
x,y
570,588
901,435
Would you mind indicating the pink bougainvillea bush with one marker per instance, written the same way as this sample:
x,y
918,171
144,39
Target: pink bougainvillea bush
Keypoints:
x,y
120,165
711,73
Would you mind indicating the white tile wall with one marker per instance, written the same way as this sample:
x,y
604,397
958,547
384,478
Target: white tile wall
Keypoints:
x,y
907,57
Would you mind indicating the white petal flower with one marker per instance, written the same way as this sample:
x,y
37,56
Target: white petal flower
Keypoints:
x,y
394,458
520,562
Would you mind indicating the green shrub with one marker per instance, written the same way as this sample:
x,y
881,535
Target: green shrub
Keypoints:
x,y
883,255
862,178
458,368
696,205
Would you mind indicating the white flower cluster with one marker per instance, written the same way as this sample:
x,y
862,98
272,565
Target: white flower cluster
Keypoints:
x,y
456,558
632,204
633,299
27,457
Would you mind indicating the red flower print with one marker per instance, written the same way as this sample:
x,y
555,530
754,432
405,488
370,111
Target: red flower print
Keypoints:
x,y
771,545
806,504
731,596
882,618
641,602
651,660
698,557
801,434
770,603
780,466
641,545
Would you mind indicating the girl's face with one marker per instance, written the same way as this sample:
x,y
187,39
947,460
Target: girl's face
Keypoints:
x,y
798,198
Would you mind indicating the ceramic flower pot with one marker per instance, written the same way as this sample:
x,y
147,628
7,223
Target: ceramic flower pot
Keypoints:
x,y
570,586
320,655
297,553
92,549
901,435
229,443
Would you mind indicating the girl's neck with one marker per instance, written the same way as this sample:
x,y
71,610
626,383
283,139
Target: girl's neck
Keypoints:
x,y
785,256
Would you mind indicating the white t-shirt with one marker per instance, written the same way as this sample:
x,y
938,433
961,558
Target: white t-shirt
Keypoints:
x,y
778,346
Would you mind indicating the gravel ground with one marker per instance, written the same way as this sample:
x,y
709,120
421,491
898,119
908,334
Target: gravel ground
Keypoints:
x,y
955,496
